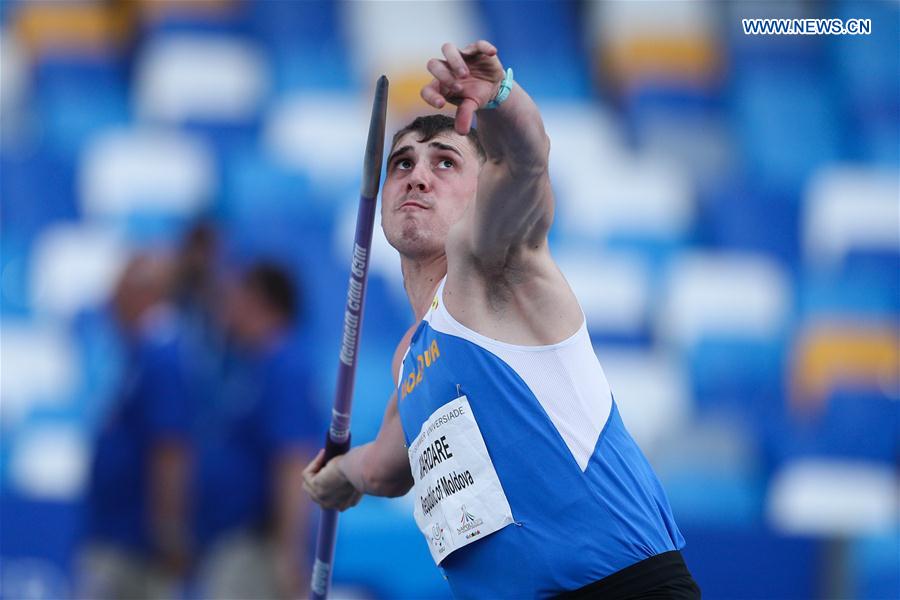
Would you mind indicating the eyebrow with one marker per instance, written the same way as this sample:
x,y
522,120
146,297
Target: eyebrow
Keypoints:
x,y
446,147
397,153
408,148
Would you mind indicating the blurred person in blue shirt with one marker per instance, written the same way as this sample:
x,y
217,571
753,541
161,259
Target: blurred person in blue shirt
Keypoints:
x,y
137,503
252,515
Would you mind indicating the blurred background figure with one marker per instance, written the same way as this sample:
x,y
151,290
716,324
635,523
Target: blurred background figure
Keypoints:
x,y
138,527
727,212
253,519
198,284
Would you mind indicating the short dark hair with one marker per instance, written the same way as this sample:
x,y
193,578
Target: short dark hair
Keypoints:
x,y
276,287
428,126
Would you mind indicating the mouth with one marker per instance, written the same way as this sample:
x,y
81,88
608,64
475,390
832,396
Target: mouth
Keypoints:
x,y
412,204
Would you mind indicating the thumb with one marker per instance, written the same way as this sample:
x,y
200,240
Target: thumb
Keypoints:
x,y
464,113
316,464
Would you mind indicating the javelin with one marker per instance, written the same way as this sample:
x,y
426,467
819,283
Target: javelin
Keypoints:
x,y
338,439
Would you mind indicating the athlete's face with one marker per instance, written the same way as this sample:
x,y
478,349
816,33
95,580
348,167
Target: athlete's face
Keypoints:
x,y
429,186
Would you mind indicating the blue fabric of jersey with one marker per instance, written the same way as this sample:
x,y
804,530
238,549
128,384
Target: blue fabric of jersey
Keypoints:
x,y
264,409
152,405
572,527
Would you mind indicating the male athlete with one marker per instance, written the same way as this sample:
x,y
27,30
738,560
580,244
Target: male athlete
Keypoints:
x,y
526,482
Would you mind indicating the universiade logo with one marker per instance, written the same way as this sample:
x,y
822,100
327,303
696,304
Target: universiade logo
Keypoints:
x,y
437,537
469,523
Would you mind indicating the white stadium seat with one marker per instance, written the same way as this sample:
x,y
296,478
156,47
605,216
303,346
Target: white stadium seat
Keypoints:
x,y
38,367
614,22
389,37
847,208
323,136
201,78
834,498
14,82
651,392
75,267
583,136
628,196
50,462
614,290
145,171
732,295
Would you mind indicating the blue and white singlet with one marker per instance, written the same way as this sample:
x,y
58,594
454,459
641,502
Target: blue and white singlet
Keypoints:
x,y
584,501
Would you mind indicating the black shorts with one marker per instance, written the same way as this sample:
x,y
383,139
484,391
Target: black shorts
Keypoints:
x,y
662,576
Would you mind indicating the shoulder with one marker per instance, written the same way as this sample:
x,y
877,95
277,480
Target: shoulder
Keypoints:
x,y
526,300
400,352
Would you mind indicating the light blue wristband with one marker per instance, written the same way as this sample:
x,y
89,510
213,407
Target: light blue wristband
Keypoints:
x,y
503,93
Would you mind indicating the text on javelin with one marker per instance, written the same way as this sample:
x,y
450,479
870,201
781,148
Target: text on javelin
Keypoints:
x,y
352,314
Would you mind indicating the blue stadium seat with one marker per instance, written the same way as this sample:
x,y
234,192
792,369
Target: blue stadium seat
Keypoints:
x,y
253,184
752,562
306,42
736,214
35,190
852,424
77,96
541,41
38,546
874,562
787,124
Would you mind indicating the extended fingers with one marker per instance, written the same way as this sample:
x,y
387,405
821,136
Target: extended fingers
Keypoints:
x,y
441,71
455,60
464,114
432,95
480,47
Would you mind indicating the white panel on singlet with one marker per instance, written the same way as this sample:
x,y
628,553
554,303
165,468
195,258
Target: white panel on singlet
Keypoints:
x,y
566,378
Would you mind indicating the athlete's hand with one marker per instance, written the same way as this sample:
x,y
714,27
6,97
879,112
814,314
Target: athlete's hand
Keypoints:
x,y
467,77
327,485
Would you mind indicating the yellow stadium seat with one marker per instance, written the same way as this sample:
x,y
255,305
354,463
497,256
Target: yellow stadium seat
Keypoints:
x,y
840,354
212,10
691,60
49,28
405,102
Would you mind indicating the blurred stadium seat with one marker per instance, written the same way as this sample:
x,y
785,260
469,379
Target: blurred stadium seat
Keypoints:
x,y
517,28
209,79
381,40
14,83
50,462
40,367
74,267
320,135
632,203
652,395
146,179
615,295
833,355
851,210
833,498
724,295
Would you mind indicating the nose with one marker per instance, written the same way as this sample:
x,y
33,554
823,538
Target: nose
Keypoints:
x,y
418,180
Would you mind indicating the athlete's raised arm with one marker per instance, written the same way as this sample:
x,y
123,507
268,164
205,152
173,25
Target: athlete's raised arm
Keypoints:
x,y
514,204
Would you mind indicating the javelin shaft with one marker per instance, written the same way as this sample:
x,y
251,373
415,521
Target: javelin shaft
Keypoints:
x,y
337,440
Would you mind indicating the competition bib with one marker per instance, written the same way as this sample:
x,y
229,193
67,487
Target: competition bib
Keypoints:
x,y
458,495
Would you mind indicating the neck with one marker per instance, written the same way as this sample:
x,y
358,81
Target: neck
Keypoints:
x,y
421,278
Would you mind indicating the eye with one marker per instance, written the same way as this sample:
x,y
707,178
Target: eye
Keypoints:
x,y
403,164
445,163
